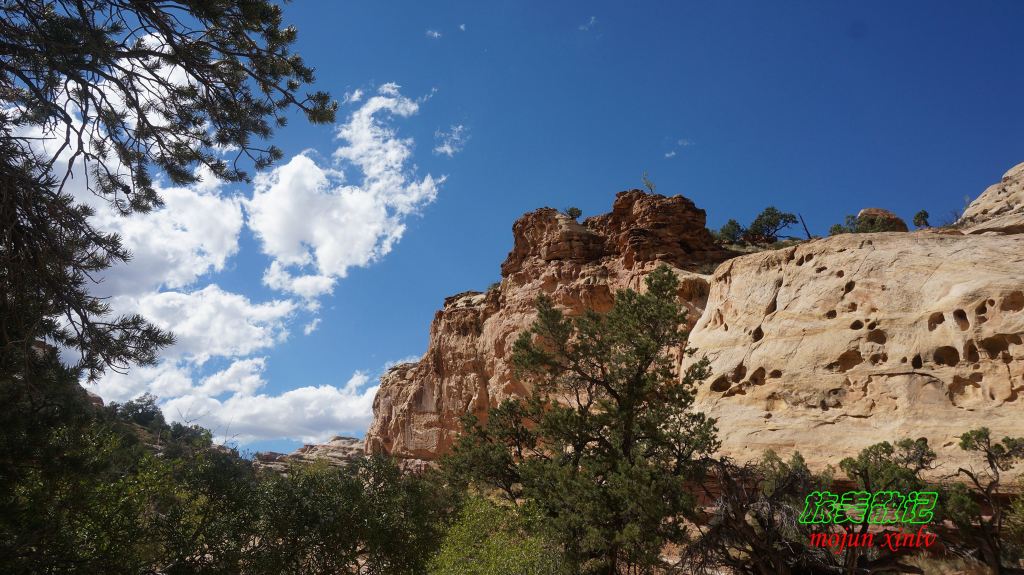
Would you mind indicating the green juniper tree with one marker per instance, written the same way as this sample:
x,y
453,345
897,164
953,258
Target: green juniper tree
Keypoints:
x,y
605,445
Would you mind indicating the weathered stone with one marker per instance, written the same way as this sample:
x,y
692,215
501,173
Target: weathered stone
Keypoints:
x,y
579,265
840,343
338,451
998,209
824,347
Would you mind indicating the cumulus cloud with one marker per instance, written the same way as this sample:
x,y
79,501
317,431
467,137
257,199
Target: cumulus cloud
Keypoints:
x,y
315,219
433,34
309,414
211,322
195,233
451,142
462,27
316,224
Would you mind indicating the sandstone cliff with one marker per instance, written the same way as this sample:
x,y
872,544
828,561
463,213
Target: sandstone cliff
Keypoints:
x,y
579,265
824,347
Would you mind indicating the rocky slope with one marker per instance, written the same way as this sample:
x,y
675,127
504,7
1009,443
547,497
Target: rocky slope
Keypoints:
x,y
825,347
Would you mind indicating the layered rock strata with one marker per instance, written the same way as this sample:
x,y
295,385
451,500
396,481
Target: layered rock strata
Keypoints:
x,y
579,265
824,347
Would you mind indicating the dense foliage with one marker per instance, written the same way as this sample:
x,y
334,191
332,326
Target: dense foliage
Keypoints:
x,y
492,538
605,446
118,490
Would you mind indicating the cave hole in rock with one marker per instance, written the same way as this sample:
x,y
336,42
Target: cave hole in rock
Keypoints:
x,y
849,286
758,377
935,320
720,384
999,345
960,317
840,273
971,352
739,373
857,324
852,306
916,363
877,336
846,361
946,355
830,314
758,334
873,325
775,374
820,269
1013,302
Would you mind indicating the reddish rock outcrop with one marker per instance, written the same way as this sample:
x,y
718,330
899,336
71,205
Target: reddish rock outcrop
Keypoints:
x,y
579,265
824,347
878,219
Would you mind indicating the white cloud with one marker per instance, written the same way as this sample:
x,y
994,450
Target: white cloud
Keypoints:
x,y
309,414
195,233
670,154
353,97
211,322
451,142
589,24
316,225
433,34
311,326
462,27
680,143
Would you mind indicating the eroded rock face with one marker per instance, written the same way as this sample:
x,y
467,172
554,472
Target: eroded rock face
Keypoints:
x,y
1000,208
840,343
338,451
579,265
825,347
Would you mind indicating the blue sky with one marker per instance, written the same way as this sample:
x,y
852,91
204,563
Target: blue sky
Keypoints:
x,y
821,108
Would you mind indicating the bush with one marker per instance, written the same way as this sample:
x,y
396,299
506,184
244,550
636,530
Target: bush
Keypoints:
x,y
731,232
921,219
766,226
493,539
573,212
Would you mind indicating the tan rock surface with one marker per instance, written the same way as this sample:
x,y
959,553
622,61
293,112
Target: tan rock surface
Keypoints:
x,y
839,343
579,265
825,347
338,451
1000,208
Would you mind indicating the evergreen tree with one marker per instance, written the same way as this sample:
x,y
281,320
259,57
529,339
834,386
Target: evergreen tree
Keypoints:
x,y
605,445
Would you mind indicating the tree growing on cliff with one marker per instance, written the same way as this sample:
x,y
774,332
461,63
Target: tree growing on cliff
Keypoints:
x,y
979,508
766,226
605,444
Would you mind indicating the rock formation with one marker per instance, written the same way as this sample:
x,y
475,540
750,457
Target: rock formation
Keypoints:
x,y
839,343
338,451
1000,208
824,347
579,265
879,219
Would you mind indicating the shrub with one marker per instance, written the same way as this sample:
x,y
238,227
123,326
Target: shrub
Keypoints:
x,y
731,232
766,226
493,539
